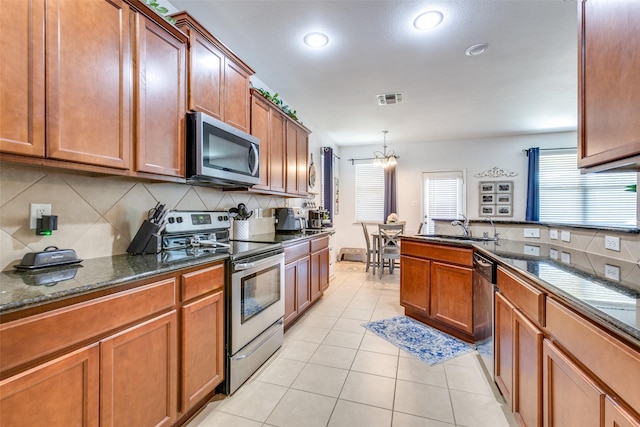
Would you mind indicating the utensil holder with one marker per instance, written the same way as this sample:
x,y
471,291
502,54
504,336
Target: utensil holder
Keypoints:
x,y
240,229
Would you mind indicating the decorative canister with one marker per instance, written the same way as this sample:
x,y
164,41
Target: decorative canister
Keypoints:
x,y
240,229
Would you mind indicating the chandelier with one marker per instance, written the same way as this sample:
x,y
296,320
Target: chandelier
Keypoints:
x,y
385,158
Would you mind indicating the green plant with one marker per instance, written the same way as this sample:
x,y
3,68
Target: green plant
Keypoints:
x,y
160,10
276,100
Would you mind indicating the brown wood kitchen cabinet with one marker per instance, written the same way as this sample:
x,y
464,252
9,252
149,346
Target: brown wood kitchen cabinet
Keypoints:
x,y
161,99
218,80
150,353
436,286
62,71
296,155
319,278
608,85
203,357
268,124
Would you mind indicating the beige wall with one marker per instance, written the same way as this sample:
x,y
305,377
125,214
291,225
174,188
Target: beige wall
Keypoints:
x,y
98,215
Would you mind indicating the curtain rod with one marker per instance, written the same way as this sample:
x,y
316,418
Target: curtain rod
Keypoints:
x,y
526,150
353,161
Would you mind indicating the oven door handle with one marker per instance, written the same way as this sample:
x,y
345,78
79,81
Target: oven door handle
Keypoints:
x,y
239,266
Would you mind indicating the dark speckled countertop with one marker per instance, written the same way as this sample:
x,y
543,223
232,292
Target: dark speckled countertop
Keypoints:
x,y
580,282
23,289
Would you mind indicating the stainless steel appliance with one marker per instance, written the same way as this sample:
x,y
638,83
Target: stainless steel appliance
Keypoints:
x,y
318,218
290,220
254,301
219,154
484,279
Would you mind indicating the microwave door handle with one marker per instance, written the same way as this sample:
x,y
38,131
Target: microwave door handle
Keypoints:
x,y
254,159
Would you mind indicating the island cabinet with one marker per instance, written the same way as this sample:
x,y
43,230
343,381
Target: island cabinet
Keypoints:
x,y
149,353
78,72
518,346
608,85
306,274
268,124
218,82
436,286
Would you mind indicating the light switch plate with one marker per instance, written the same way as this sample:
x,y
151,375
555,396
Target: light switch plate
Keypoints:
x,y
565,236
566,257
612,272
612,243
553,234
553,254
531,250
531,232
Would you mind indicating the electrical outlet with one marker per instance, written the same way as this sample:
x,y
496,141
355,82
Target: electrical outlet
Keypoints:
x,y
612,272
565,257
553,254
531,250
36,211
612,243
553,234
565,236
531,232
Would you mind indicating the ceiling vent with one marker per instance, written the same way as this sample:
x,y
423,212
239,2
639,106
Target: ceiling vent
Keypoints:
x,y
389,98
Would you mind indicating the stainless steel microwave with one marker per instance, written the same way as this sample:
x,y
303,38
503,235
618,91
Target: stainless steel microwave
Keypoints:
x,y
220,155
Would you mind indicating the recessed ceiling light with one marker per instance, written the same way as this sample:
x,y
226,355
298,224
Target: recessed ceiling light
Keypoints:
x,y
477,49
316,40
428,20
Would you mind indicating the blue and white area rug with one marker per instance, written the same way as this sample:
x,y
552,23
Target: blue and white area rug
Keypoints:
x,y
426,343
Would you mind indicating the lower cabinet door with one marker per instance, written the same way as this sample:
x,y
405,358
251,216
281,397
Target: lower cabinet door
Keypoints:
x,y
202,348
570,397
616,416
503,341
527,371
60,393
452,296
139,375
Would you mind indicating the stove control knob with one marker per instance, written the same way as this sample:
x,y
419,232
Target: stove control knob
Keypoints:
x,y
220,218
179,219
171,220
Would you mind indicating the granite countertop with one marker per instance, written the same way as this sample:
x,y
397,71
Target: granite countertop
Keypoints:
x,y
579,282
24,289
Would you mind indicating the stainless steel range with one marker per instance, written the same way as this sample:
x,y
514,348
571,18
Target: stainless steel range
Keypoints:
x,y
254,286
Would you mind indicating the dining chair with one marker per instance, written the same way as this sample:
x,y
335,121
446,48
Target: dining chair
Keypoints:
x,y
389,244
371,253
420,228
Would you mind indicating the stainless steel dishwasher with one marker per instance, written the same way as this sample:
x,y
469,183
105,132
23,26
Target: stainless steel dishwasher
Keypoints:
x,y
484,279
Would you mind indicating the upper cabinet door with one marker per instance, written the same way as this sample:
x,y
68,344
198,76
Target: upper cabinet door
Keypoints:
x,y
22,77
88,61
236,96
206,76
609,87
161,100
260,113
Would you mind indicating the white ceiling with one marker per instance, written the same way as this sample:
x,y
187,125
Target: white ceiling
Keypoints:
x,y
525,83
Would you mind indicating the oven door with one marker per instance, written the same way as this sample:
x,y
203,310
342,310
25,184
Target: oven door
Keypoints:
x,y
257,298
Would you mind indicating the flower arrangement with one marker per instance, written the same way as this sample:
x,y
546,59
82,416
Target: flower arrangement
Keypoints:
x,y
278,101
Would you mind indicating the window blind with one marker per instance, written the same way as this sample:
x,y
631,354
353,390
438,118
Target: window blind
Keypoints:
x,y
568,197
443,195
369,193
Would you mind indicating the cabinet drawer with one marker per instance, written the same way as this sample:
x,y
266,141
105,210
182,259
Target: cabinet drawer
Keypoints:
x,y
455,255
295,251
27,339
525,297
616,364
202,281
319,244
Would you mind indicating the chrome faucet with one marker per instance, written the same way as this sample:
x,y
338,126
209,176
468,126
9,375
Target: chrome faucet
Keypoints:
x,y
495,235
464,225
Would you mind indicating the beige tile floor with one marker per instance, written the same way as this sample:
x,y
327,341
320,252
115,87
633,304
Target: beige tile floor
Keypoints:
x,y
333,372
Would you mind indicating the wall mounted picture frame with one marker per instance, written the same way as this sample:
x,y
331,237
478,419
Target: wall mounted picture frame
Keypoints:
x,y
496,198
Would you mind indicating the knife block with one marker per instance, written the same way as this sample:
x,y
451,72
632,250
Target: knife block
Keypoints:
x,y
147,240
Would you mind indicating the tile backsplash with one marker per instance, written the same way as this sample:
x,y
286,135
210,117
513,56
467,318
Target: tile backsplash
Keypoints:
x,y
98,215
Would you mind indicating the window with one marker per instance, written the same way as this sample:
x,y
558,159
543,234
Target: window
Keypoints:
x,y
568,197
443,195
369,193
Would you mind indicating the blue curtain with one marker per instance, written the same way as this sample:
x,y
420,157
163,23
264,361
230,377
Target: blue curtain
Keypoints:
x,y
390,192
327,173
533,185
